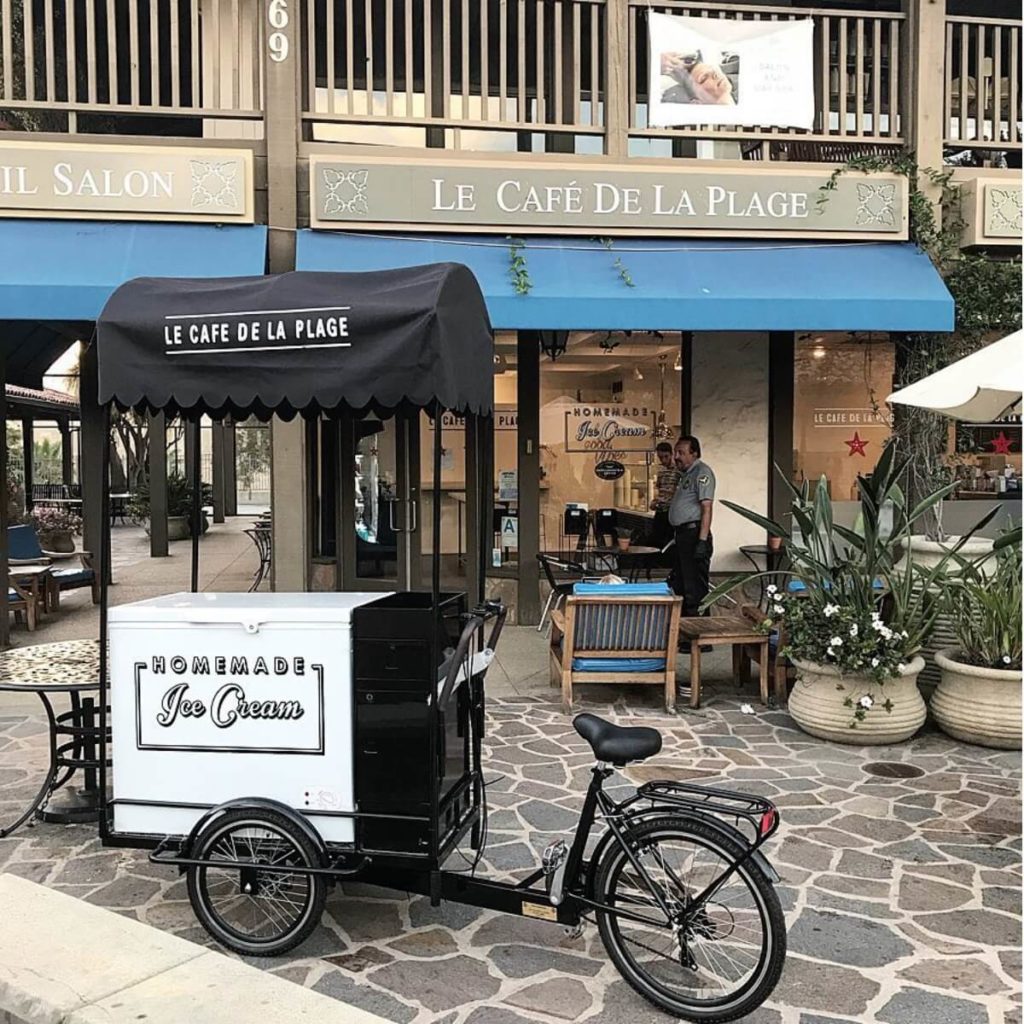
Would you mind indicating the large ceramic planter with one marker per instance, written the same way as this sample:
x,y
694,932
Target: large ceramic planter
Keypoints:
x,y
927,554
816,704
59,541
977,705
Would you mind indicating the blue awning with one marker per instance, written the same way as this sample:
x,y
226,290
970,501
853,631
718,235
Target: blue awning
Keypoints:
x,y
735,285
66,270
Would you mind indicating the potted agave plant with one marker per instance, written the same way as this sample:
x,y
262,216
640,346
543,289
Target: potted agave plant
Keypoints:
x,y
978,698
56,528
853,617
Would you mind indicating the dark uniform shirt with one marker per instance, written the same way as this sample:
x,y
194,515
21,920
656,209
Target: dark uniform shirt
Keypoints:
x,y
696,484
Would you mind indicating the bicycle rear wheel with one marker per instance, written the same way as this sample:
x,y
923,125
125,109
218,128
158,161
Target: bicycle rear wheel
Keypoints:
x,y
723,963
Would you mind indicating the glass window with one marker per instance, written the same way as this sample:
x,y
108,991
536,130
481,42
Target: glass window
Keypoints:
x,y
609,399
840,419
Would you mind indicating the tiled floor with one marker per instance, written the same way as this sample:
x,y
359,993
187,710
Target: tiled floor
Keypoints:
x,y
902,895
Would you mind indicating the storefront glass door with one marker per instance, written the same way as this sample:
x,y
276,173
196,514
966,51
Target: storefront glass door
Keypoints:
x,y
381,516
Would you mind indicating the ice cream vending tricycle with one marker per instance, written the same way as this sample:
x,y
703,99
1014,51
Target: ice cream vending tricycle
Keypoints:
x,y
270,745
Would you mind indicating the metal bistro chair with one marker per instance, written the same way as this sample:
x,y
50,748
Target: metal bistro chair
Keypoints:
x,y
559,590
260,536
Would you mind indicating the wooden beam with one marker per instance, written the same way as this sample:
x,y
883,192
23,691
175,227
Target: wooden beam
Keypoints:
x,y
27,437
528,367
616,81
5,619
781,384
67,465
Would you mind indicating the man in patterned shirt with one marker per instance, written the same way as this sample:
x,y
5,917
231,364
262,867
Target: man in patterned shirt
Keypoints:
x,y
666,483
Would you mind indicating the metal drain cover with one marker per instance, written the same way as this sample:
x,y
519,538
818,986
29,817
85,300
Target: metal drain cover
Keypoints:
x,y
893,770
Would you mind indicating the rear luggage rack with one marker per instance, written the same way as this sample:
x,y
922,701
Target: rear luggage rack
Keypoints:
x,y
759,814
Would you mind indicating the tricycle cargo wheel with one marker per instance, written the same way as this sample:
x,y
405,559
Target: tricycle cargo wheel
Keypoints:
x,y
252,911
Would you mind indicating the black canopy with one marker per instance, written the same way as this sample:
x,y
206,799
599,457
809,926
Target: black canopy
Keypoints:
x,y
299,342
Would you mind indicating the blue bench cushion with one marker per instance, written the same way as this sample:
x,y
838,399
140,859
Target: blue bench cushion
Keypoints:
x,y
623,589
73,575
13,595
798,586
634,665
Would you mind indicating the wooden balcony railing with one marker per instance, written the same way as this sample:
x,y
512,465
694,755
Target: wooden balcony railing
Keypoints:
x,y
514,65
983,95
110,65
473,68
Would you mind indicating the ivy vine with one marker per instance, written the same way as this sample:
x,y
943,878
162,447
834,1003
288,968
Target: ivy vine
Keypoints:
x,y
517,268
623,271
987,295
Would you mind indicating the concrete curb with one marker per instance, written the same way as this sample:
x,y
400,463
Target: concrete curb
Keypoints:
x,y
64,961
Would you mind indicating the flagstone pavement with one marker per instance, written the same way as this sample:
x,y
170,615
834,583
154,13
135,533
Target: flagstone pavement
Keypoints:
x,y
902,894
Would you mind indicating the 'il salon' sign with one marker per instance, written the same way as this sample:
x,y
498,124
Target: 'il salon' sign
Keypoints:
x,y
397,192
140,182
230,702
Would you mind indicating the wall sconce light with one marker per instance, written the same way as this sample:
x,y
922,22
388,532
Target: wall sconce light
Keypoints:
x,y
678,364
637,375
500,362
818,351
554,343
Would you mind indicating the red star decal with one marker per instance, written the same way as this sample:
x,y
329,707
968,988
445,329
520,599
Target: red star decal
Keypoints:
x,y
1001,444
857,445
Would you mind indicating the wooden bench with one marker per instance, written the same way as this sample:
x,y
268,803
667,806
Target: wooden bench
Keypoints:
x,y
64,960
735,631
617,633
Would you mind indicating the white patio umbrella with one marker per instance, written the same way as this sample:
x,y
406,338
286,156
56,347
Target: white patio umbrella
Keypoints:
x,y
979,388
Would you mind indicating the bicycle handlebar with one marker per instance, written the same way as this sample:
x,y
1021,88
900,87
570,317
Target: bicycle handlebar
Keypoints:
x,y
490,609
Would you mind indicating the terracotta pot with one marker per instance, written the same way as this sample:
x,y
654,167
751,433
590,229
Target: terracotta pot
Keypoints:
x,y
177,528
60,540
976,704
774,543
623,543
816,704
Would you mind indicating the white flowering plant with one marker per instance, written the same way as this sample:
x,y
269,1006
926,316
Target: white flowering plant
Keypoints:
x,y
842,636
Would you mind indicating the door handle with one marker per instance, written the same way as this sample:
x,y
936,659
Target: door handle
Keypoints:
x,y
392,502
414,518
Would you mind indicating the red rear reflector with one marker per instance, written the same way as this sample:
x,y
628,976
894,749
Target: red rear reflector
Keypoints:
x,y
767,822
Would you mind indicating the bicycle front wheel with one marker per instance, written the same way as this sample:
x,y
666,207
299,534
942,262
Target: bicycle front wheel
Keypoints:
x,y
711,962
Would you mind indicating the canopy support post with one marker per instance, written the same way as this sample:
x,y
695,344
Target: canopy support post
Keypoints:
x,y
5,619
196,440
101,567
435,561
217,458
158,485
66,464
95,465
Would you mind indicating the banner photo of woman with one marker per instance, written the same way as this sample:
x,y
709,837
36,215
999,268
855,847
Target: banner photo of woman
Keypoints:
x,y
710,71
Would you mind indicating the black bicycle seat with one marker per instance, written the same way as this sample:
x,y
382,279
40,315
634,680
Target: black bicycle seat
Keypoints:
x,y
617,744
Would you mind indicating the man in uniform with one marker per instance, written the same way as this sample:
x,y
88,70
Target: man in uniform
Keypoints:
x,y
690,516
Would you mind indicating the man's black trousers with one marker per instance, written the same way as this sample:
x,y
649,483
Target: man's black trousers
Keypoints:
x,y
692,579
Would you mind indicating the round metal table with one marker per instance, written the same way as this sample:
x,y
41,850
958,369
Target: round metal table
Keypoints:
x,y
71,667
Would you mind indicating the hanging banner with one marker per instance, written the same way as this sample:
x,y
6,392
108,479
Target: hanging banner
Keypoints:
x,y
709,71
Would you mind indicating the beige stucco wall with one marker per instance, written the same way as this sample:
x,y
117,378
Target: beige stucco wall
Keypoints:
x,y
730,417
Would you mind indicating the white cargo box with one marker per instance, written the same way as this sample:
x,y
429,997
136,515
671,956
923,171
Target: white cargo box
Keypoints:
x,y
219,696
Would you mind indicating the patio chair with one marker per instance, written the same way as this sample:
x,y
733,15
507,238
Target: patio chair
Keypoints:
x,y
22,603
780,671
23,549
616,633
560,590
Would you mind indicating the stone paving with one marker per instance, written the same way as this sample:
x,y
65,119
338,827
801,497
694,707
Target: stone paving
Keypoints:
x,y
902,895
